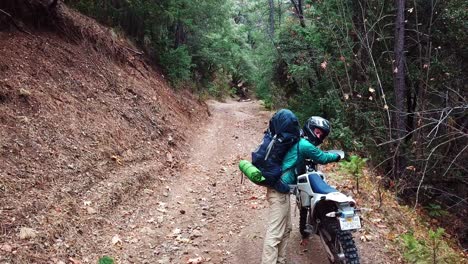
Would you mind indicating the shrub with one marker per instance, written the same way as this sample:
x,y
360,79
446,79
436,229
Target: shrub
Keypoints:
x,y
431,250
354,166
435,210
177,64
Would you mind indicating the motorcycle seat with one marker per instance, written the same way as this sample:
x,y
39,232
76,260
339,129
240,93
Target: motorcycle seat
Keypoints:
x,y
319,185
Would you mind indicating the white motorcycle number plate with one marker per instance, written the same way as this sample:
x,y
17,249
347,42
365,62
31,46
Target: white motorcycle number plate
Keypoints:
x,y
350,223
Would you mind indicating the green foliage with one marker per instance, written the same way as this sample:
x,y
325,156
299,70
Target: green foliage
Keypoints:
x,y
339,64
191,40
264,86
355,167
435,210
430,250
267,103
343,136
177,63
219,88
414,249
106,260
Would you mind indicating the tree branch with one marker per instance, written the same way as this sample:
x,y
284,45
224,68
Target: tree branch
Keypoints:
x,y
425,167
448,168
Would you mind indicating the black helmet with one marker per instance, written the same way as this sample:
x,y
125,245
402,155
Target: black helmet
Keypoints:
x,y
316,122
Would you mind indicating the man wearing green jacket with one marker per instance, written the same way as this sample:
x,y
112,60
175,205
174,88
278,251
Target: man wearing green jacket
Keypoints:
x,y
279,227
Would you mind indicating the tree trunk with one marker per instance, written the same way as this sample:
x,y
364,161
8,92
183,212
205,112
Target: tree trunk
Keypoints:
x,y
299,12
271,28
359,68
279,12
179,38
400,89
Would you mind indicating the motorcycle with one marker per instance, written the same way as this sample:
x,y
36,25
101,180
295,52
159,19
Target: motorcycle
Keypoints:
x,y
328,213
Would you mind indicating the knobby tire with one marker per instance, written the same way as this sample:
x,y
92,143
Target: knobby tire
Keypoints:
x,y
342,242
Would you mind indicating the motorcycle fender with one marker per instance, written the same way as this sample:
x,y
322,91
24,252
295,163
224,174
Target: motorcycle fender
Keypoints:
x,y
339,198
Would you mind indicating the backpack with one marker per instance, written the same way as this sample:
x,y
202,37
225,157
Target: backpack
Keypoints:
x,y
283,132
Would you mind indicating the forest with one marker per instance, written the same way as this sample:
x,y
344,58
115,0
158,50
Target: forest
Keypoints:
x,y
391,76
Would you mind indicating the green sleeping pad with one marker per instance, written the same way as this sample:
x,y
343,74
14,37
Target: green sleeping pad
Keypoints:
x,y
251,172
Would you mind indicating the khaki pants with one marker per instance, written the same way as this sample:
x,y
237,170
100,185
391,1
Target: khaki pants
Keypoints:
x,y
279,228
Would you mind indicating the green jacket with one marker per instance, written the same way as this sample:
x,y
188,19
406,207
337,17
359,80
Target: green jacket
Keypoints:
x,y
297,154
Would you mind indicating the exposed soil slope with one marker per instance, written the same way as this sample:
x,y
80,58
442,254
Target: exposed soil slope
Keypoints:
x,y
84,127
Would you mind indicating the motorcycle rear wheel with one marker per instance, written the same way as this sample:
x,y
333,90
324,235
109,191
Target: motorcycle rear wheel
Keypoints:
x,y
339,245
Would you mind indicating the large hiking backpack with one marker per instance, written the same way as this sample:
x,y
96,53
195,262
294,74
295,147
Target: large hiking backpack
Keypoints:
x,y
283,132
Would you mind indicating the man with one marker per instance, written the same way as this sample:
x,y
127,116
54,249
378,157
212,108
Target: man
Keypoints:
x,y
315,130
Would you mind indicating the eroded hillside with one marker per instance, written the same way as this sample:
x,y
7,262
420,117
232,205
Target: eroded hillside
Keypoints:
x,y
84,127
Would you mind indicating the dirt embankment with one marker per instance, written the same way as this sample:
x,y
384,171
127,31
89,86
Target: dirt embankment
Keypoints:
x,y
85,125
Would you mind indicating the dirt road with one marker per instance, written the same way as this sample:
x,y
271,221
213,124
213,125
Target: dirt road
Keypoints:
x,y
212,216
205,214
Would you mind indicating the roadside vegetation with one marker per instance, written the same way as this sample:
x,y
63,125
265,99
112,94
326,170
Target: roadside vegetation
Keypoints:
x,y
391,77
411,236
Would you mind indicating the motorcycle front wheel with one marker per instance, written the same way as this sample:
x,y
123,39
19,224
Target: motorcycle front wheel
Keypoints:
x,y
339,245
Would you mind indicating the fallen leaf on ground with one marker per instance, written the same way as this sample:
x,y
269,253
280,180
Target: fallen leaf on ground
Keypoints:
x,y
6,248
74,261
91,210
195,260
366,238
181,239
116,240
27,233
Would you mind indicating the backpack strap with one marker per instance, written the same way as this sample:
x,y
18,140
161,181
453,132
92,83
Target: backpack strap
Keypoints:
x,y
270,146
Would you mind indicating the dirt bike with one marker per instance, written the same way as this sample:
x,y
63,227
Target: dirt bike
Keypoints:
x,y
328,213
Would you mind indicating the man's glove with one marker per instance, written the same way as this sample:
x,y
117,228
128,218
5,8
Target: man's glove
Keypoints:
x,y
338,157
